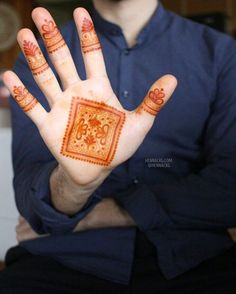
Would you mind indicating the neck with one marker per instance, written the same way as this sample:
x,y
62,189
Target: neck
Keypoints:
x,y
130,15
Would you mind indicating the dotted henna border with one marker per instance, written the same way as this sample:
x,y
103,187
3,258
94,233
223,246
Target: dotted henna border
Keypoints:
x,y
45,67
30,106
91,50
56,49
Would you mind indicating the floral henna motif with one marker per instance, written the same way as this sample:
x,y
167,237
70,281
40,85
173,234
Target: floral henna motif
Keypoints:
x,y
24,98
52,36
154,101
35,58
92,132
89,39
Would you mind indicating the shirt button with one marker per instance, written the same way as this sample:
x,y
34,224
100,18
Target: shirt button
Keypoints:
x,y
125,94
135,181
127,51
115,32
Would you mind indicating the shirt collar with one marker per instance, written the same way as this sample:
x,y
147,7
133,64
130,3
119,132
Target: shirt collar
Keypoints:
x,y
156,25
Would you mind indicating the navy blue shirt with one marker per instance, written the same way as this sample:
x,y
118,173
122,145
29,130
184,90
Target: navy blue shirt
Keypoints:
x,y
180,185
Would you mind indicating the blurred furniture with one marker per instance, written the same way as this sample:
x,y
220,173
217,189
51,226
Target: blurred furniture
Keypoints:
x,y
62,10
1,265
217,21
233,234
14,14
204,10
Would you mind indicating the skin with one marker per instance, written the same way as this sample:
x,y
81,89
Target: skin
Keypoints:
x,y
69,191
130,15
105,214
35,58
63,183
93,132
73,181
89,40
25,100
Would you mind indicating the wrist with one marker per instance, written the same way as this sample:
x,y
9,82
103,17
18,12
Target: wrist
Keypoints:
x,y
67,196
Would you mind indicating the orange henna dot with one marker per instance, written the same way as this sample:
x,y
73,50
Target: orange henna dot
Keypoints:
x,y
154,101
24,98
89,39
92,139
35,58
52,36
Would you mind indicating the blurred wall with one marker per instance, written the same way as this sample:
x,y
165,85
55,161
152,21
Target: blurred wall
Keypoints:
x,y
8,212
23,10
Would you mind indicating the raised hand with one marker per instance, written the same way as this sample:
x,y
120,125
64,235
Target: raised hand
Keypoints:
x,y
87,129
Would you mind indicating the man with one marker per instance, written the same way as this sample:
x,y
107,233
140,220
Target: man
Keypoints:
x,y
128,205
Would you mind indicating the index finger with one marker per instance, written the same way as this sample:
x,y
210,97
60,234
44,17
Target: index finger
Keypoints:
x,y
90,45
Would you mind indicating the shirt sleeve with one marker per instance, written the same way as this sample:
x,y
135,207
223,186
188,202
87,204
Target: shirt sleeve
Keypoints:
x,y
205,199
201,203
33,163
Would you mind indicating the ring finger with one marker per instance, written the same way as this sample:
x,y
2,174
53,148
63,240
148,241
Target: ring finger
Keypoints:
x,y
40,69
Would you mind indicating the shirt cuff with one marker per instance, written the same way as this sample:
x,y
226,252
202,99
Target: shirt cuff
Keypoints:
x,y
53,221
144,207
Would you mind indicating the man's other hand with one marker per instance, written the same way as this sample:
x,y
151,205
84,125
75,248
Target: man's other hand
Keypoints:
x,y
105,214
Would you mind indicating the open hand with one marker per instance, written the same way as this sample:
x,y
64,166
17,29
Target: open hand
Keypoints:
x,y
87,129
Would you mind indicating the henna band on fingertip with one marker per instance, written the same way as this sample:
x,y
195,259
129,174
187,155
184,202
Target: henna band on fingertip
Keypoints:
x,y
35,58
25,100
89,39
52,36
154,101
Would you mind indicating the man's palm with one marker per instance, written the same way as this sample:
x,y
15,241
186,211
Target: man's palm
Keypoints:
x,y
87,129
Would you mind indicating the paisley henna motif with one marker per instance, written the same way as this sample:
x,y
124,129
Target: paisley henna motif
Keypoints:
x,y
92,132
52,36
24,98
35,58
154,101
89,39
81,129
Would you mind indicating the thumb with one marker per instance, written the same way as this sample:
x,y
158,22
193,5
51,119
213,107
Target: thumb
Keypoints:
x,y
157,96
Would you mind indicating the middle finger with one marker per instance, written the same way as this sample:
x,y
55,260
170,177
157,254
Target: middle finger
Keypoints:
x,y
56,46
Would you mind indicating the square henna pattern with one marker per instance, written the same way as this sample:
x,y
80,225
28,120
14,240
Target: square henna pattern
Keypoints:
x,y
92,132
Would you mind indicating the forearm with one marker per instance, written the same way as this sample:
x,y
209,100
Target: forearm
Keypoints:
x,y
106,213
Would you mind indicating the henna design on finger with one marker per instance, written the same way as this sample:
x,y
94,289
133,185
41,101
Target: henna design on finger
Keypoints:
x,y
35,58
92,132
24,98
52,36
154,101
89,39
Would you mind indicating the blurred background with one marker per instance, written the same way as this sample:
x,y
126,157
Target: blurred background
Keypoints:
x,y
15,14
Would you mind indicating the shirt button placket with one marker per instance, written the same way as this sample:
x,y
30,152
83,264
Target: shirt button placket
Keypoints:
x,y
136,181
125,94
125,78
126,51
